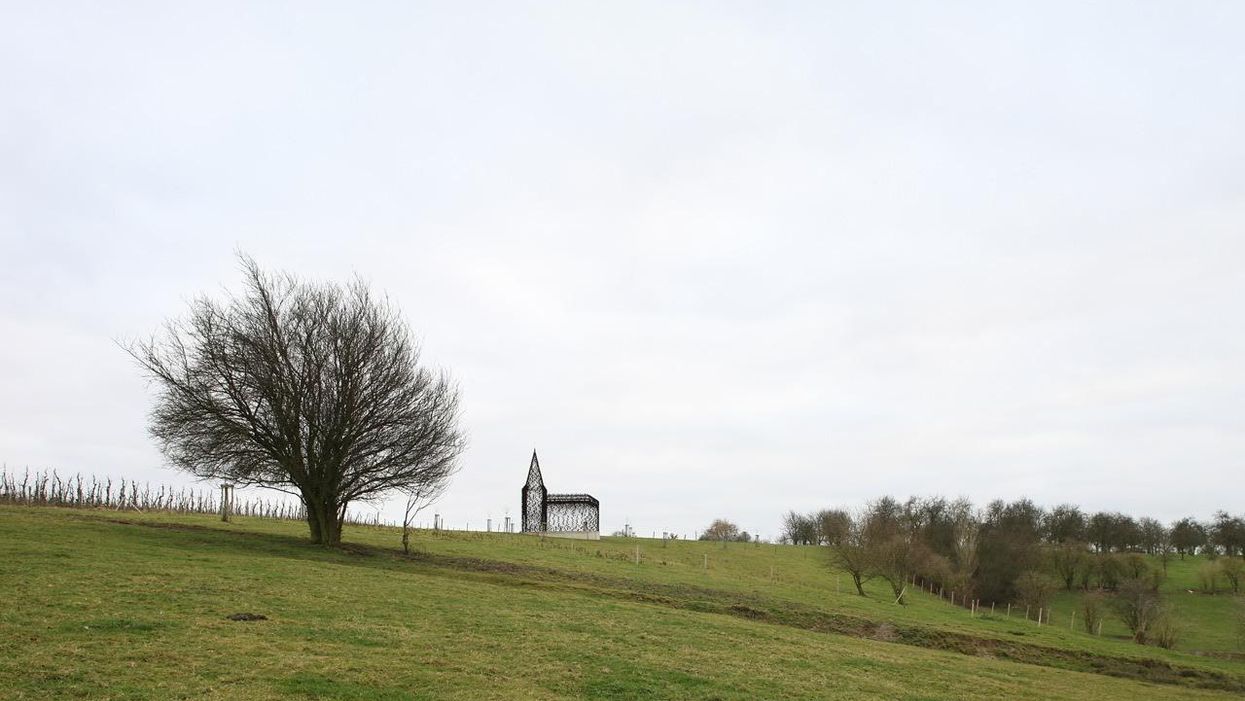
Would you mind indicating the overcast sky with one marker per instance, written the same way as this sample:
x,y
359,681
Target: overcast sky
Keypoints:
x,y
710,259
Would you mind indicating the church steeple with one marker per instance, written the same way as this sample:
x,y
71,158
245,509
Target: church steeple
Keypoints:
x,y
534,479
534,499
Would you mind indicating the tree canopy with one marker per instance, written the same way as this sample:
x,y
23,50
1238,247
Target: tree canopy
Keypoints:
x,y
311,388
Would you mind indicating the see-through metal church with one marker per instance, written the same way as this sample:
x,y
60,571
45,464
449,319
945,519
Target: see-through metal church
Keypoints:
x,y
559,515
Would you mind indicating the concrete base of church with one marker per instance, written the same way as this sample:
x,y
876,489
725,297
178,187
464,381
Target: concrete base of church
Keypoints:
x,y
576,535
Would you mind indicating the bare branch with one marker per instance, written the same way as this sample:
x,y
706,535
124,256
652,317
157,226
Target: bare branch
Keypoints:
x,y
302,386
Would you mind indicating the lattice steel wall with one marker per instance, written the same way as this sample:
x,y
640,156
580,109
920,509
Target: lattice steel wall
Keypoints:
x,y
573,515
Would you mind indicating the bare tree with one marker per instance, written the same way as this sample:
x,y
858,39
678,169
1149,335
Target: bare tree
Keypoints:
x,y
314,389
722,530
895,551
1092,606
896,559
1240,622
418,498
1187,536
1064,524
1165,549
1152,534
1233,570
799,529
1034,591
1138,606
833,525
966,530
852,554
1068,559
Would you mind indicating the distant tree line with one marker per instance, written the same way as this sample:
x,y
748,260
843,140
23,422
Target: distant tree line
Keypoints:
x,y
1018,552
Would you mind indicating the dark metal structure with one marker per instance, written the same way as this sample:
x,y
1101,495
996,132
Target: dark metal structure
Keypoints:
x,y
556,513
535,498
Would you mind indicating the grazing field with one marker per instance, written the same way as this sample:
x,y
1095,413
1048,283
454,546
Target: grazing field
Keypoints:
x,y
106,604
1209,625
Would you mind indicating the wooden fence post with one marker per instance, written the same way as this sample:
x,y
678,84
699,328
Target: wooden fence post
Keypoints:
x,y
226,501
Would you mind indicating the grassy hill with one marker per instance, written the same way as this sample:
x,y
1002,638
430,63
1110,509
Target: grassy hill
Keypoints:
x,y
105,604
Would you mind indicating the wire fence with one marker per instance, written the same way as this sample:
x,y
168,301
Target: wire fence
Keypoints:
x,y
48,488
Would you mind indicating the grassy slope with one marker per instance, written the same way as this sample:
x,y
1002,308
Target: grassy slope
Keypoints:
x,y
100,609
1209,623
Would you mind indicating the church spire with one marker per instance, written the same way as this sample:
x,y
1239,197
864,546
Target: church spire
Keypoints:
x,y
534,479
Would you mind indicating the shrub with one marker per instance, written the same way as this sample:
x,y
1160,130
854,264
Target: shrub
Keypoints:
x,y
1233,570
1135,565
1208,577
1086,574
1165,631
1138,606
1109,571
1035,590
1069,560
1092,608
1155,578
1240,622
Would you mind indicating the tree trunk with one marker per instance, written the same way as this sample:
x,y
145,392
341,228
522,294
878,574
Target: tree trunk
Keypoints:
x,y
314,524
859,587
324,518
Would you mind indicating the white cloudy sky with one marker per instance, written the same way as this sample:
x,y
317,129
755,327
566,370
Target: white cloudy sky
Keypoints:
x,y
711,259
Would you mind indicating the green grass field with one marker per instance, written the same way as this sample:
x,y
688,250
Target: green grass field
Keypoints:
x,y
1208,624
105,604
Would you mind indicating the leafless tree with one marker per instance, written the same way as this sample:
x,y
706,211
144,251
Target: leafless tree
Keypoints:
x,y
799,529
418,498
896,559
895,551
1092,605
1035,591
1067,560
1240,622
833,525
1165,550
1138,606
853,554
310,388
722,530
1233,570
